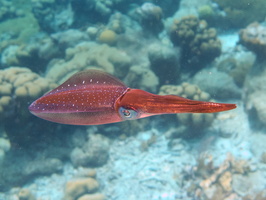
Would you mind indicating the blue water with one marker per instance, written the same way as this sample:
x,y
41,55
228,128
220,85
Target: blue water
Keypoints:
x,y
207,50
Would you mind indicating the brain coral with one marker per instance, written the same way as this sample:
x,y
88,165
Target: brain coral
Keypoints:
x,y
199,44
88,55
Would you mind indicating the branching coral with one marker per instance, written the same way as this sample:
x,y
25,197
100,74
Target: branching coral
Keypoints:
x,y
199,44
217,182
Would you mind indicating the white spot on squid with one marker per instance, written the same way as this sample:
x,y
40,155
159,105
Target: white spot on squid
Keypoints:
x,y
91,80
83,82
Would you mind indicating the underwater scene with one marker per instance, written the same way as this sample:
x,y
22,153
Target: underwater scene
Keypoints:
x,y
76,76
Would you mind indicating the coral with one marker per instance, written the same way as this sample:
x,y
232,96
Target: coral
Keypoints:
x,y
150,17
248,184
225,181
263,157
254,38
4,147
199,44
142,77
214,82
26,194
34,55
206,12
76,188
53,15
241,13
14,31
43,167
8,10
132,127
88,55
20,85
164,59
169,7
218,182
120,23
254,96
92,197
94,152
237,64
107,36
68,38
186,90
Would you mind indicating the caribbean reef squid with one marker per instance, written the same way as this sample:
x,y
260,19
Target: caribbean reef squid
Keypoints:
x,y
93,97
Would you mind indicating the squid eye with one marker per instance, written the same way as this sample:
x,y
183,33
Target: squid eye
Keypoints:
x,y
127,114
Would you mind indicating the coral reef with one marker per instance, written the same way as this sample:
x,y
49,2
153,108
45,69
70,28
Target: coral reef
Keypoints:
x,y
199,44
241,13
93,152
253,37
88,55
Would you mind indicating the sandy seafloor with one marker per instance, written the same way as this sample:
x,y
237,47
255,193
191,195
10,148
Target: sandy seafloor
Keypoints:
x,y
133,174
